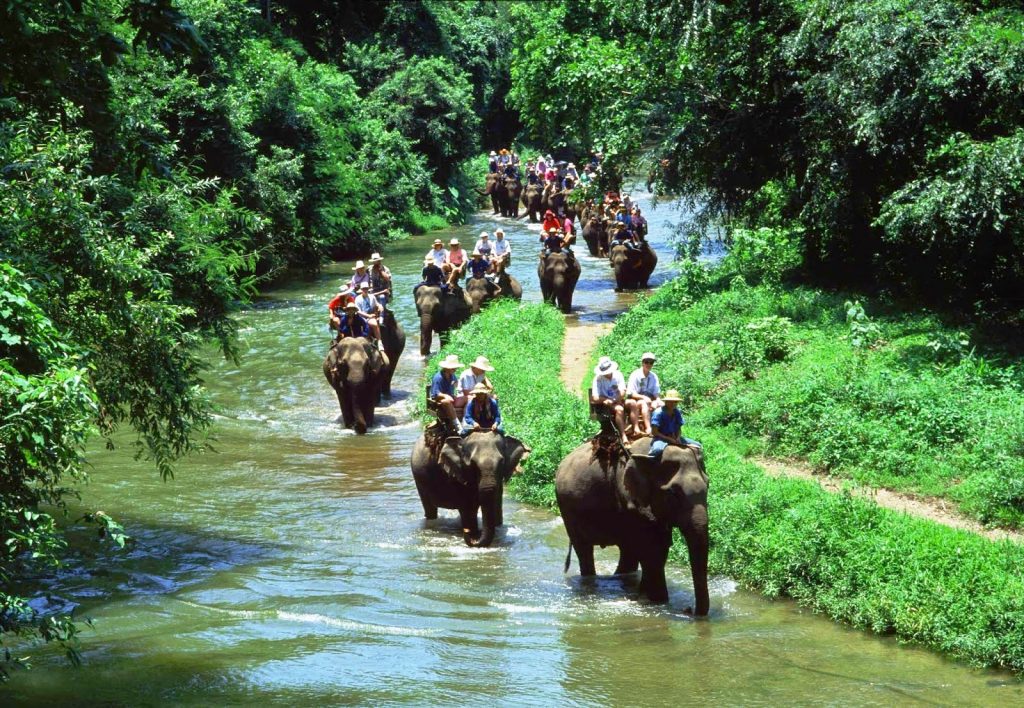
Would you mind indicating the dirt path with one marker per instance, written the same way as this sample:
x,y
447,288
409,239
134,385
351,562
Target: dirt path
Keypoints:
x,y
936,510
580,340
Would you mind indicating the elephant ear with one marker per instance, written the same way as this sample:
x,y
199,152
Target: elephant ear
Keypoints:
x,y
452,461
515,452
638,481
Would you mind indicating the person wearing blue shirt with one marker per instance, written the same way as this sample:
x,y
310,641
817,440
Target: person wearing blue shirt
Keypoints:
x,y
352,323
482,413
667,424
443,390
478,267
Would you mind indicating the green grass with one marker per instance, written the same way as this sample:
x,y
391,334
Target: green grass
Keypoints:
x,y
835,553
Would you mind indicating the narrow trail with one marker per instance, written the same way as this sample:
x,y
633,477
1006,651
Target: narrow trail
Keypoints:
x,y
577,350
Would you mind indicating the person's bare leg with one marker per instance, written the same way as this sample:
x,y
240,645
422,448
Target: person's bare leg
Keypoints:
x,y
620,421
646,408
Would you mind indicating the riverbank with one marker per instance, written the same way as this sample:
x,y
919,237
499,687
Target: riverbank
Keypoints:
x,y
837,553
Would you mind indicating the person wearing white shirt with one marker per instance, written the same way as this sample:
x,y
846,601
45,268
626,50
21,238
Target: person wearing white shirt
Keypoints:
x,y
475,374
484,245
608,390
439,254
502,251
643,394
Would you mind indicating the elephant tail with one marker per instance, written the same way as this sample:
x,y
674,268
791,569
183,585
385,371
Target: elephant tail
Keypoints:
x,y
568,559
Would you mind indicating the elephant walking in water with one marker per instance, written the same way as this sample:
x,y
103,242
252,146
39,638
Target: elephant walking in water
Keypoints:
x,y
355,369
633,501
393,337
633,267
438,312
468,474
558,273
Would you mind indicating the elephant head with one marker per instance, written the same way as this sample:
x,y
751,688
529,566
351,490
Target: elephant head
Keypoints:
x,y
558,274
674,490
632,267
439,312
354,368
484,460
480,291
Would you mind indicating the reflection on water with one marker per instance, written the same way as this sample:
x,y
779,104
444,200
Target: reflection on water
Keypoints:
x,y
293,566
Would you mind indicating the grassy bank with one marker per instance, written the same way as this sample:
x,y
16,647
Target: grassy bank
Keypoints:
x,y
840,555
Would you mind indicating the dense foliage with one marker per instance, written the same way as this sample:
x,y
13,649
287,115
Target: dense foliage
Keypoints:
x,y
158,159
887,133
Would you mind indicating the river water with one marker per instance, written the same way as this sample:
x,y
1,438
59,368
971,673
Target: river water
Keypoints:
x,y
293,566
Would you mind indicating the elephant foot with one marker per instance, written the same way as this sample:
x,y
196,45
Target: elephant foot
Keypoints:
x,y
429,513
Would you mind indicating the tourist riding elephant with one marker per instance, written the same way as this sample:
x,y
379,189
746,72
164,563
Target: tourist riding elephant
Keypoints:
x,y
393,337
595,236
491,189
633,502
509,197
438,312
532,202
632,267
355,369
481,290
558,274
470,475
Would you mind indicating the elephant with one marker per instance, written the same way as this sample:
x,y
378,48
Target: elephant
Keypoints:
x,y
558,274
355,369
470,475
491,189
439,312
511,190
393,337
633,501
481,290
532,202
633,268
596,236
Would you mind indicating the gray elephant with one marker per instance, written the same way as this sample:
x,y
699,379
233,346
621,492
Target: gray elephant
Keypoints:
x,y
633,502
481,291
354,368
393,337
594,234
491,189
632,267
558,274
470,475
532,202
439,312
508,199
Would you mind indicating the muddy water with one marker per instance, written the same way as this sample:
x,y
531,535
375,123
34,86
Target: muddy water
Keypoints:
x,y
293,567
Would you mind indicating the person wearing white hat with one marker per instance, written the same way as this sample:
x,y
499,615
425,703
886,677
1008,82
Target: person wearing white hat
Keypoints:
x,y
443,388
667,423
360,276
608,390
484,245
371,310
432,275
336,307
473,376
352,324
438,254
380,280
502,252
642,394
454,262
482,412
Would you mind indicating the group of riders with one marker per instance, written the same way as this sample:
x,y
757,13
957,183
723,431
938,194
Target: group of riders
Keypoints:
x,y
360,306
465,403
442,267
543,169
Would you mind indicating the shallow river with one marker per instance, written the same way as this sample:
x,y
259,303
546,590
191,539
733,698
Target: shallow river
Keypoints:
x,y
293,566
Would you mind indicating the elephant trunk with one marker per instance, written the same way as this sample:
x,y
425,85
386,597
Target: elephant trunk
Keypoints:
x,y
489,500
426,332
695,531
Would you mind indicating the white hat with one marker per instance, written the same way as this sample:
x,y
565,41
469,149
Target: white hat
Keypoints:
x,y
492,153
480,388
450,362
483,234
351,306
453,242
364,286
482,363
499,232
476,253
605,366
375,258
358,265
646,356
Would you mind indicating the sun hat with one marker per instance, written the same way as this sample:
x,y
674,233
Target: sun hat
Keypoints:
x,y
549,212
351,306
450,362
375,258
499,232
428,260
648,355
605,366
483,234
453,242
476,254
364,286
358,265
482,363
493,154
480,388
344,289
672,395
438,242
620,225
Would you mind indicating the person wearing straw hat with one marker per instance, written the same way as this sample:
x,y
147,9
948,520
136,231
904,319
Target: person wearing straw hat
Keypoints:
x,y
454,262
432,275
667,423
443,389
482,412
380,280
479,268
336,307
642,394
550,221
502,252
608,390
359,276
474,375
370,309
484,245
352,324
438,254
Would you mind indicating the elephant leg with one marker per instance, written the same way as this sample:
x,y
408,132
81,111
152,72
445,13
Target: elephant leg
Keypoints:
x,y
470,527
585,554
429,508
499,515
347,411
652,580
629,561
